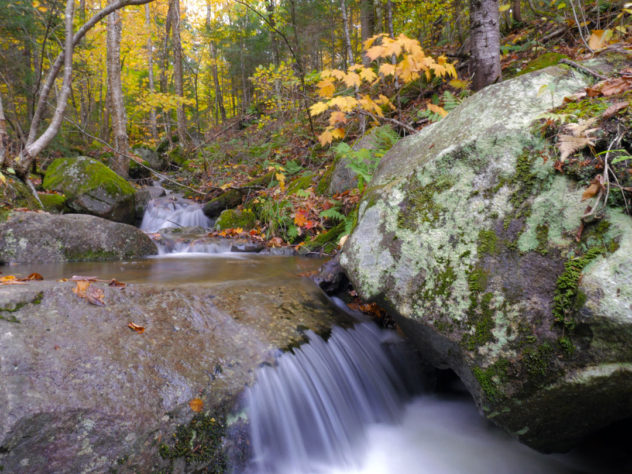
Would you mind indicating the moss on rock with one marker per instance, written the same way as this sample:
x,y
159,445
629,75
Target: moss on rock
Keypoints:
x,y
53,202
545,60
235,218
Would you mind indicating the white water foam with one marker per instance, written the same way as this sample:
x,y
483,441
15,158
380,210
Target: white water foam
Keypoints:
x,y
173,211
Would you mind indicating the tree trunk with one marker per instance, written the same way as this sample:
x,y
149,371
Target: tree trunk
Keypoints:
x,y
174,8
485,42
345,25
219,98
4,142
273,37
150,71
515,11
389,18
367,22
119,162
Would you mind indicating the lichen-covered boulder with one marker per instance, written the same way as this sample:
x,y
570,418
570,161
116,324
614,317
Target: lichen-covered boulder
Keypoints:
x,y
153,159
468,235
91,188
44,238
82,392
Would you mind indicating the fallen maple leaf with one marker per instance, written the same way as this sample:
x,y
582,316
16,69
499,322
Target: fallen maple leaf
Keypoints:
x,y
81,288
196,405
596,186
8,278
136,327
116,283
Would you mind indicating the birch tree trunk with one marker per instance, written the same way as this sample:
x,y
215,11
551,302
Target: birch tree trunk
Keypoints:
x,y
485,42
150,72
174,8
119,162
367,24
345,25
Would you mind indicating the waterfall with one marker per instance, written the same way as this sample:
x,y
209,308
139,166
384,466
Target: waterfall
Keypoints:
x,y
173,211
311,410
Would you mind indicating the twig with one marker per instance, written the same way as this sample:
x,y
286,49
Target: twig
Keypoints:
x,y
579,25
584,69
396,122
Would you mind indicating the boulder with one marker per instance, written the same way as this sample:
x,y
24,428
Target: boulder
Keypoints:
x,y
234,218
91,188
44,238
467,234
82,392
15,194
152,158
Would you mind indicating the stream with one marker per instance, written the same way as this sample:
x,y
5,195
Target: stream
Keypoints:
x,y
354,403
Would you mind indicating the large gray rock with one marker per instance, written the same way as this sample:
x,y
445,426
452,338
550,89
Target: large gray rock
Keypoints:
x,y
467,234
154,159
81,392
43,238
91,188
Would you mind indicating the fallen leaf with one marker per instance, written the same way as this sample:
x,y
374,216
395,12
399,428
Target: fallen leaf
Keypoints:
x,y
81,288
95,296
33,276
616,86
613,109
599,39
116,283
8,278
196,405
136,327
569,144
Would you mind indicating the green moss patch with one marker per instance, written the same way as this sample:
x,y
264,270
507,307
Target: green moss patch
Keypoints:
x,y
5,313
235,218
545,60
53,202
199,442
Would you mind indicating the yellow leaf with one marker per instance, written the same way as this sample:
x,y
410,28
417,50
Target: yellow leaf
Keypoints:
x,y
280,177
375,52
325,138
2,178
344,103
136,327
367,74
337,117
338,133
326,88
437,109
458,84
387,69
318,108
504,8
599,39
352,80
196,405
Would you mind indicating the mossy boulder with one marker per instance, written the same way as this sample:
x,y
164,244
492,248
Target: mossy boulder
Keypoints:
x,y
152,158
52,202
542,61
15,194
236,218
91,188
43,238
468,235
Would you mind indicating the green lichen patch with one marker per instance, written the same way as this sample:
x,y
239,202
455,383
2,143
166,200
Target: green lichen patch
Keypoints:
x,y
420,204
53,202
5,313
568,299
199,442
492,378
300,183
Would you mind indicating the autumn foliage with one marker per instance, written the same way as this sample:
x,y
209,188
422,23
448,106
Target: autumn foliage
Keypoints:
x,y
394,62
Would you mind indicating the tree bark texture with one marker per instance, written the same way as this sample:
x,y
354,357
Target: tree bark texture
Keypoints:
x,y
153,124
345,25
3,135
367,23
119,162
485,42
515,11
178,79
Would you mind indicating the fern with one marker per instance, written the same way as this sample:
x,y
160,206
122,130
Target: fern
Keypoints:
x,y
333,214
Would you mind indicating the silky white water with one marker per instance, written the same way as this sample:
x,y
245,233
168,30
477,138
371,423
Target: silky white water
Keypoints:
x,y
346,406
173,211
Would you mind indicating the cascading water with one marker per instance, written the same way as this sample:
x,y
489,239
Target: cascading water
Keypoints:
x,y
344,406
310,412
173,211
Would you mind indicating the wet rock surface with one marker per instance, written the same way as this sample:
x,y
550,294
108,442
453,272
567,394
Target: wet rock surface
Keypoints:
x,y
468,235
43,238
82,392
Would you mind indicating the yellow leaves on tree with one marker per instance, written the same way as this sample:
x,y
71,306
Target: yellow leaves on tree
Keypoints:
x,y
395,63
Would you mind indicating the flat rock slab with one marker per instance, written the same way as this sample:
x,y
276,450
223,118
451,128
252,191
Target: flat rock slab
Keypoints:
x,y
80,390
